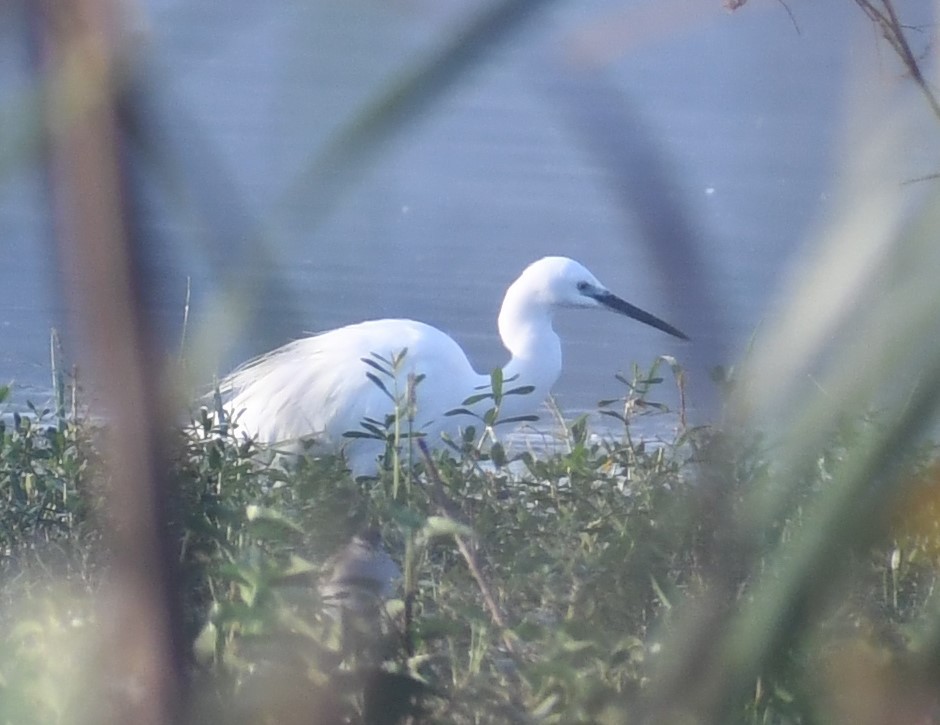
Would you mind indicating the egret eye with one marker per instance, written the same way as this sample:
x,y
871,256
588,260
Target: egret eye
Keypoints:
x,y
582,286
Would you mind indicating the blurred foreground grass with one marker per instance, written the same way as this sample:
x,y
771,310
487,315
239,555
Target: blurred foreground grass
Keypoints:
x,y
777,567
598,553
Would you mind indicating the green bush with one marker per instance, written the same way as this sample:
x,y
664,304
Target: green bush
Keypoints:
x,y
590,549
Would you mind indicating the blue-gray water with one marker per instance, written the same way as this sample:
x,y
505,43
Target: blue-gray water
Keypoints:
x,y
744,112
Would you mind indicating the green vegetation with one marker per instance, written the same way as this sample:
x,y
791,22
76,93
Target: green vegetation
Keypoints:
x,y
777,567
585,562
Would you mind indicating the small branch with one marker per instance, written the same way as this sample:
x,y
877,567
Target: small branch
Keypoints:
x,y
919,179
786,7
469,552
732,5
893,32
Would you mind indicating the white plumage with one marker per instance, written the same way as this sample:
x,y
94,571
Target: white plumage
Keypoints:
x,y
318,388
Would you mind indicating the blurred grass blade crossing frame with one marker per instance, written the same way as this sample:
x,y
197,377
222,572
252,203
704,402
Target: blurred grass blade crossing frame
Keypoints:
x,y
97,245
775,560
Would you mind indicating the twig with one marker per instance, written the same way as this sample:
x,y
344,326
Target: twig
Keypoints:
x,y
919,179
786,7
893,31
58,379
185,318
732,5
468,551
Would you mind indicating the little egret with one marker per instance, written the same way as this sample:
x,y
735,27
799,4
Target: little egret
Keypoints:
x,y
310,392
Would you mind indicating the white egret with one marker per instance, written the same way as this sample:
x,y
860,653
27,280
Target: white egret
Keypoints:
x,y
322,387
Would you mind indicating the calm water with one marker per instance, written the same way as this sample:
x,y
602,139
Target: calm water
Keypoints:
x,y
743,113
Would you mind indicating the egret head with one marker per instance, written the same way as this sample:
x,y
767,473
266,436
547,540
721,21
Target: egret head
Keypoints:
x,y
562,282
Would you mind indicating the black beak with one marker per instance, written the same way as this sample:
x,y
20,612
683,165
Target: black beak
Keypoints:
x,y
613,302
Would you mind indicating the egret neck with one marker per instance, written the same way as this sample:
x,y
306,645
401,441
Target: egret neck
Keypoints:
x,y
525,327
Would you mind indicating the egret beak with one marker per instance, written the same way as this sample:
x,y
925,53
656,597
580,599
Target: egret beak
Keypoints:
x,y
613,302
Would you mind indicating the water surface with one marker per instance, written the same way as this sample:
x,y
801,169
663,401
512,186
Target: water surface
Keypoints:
x,y
744,112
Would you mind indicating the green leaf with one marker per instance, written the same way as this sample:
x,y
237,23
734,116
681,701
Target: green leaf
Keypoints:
x,y
380,385
545,708
204,648
498,454
430,628
474,399
362,434
437,527
375,428
579,430
496,382
398,358
374,364
517,419
297,566
460,411
255,513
